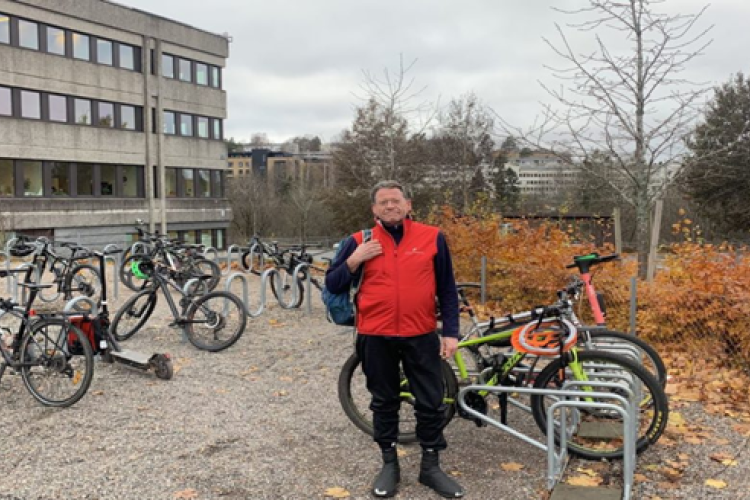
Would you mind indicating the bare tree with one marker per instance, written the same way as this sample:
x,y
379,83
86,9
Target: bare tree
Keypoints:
x,y
631,105
465,145
253,205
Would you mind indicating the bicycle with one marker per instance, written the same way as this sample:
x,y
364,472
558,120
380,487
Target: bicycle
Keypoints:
x,y
282,284
508,369
70,277
54,358
213,321
591,336
179,255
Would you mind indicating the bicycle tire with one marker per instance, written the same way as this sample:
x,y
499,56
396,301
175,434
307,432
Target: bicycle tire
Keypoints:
x,y
253,267
83,280
215,321
650,357
122,327
284,282
47,358
652,417
126,274
208,267
355,399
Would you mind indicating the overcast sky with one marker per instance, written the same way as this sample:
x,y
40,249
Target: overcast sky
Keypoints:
x,y
295,65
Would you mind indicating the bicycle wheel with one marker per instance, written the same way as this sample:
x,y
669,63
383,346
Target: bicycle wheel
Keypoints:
x,y
208,268
126,274
215,321
57,362
355,399
83,281
599,433
253,266
283,288
629,345
133,314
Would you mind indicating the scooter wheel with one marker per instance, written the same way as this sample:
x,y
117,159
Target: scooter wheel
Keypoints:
x,y
162,366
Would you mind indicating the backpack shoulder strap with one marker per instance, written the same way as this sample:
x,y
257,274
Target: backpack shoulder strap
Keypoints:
x,y
364,236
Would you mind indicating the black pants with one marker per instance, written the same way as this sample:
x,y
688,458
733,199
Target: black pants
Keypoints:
x,y
420,357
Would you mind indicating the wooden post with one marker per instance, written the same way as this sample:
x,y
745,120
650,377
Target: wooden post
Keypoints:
x,y
654,243
618,230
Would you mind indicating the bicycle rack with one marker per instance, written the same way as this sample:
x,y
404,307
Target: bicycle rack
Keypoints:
x,y
251,258
263,281
69,308
13,283
116,260
556,461
233,249
214,257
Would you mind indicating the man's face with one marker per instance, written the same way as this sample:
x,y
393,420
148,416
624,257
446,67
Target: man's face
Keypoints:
x,y
390,206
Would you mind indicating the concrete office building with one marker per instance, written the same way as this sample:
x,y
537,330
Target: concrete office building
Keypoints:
x,y
108,114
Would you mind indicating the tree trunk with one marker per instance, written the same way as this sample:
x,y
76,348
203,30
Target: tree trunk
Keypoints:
x,y
642,223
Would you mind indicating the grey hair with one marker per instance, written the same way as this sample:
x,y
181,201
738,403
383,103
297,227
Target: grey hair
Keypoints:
x,y
388,185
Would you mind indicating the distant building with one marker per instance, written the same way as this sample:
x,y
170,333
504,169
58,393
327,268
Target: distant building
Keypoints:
x,y
541,173
108,114
277,167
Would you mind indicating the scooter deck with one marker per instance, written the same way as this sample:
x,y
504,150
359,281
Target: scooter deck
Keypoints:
x,y
131,357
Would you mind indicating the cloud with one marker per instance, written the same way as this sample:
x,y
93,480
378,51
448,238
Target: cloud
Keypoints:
x,y
294,64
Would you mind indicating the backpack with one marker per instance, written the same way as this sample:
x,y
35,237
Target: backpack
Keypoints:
x,y
340,307
92,330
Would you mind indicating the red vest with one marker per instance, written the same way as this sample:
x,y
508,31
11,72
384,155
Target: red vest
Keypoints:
x,y
397,295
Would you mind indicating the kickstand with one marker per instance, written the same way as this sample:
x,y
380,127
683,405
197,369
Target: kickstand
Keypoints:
x,y
503,397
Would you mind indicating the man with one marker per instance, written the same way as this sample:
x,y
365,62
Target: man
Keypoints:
x,y
404,266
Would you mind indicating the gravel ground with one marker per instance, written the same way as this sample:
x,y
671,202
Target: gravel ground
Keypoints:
x,y
262,420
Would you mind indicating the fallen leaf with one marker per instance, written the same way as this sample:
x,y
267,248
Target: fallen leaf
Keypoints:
x,y
588,472
337,492
640,478
188,493
716,483
584,481
511,466
455,473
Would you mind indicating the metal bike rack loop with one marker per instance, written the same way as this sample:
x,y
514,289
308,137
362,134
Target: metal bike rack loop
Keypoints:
x,y
116,260
214,254
239,276
70,306
556,460
232,250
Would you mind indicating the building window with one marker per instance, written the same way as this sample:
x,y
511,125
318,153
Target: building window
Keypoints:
x,y
216,128
186,125
55,41
203,127
28,35
108,175
6,102
216,184
167,66
130,181
127,117
201,74
4,29
169,123
31,104
81,47
31,171
204,184
170,182
106,114
85,179
220,239
127,57
215,77
7,185
185,69
82,109
60,176
188,182
104,53
58,108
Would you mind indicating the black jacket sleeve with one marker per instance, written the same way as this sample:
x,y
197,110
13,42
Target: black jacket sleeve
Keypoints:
x,y
338,277
447,293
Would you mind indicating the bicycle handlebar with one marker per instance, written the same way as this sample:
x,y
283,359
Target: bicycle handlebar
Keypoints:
x,y
588,260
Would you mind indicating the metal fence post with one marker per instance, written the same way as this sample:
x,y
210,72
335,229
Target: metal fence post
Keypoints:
x,y
483,299
633,304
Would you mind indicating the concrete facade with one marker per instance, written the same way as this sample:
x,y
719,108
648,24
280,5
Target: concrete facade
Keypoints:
x,y
99,218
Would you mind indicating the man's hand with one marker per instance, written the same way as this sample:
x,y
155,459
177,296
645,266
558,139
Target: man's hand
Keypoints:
x,y
448,347
364,252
